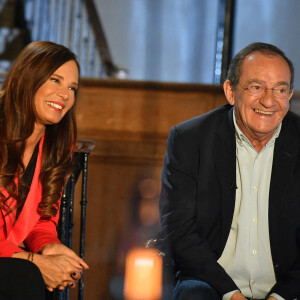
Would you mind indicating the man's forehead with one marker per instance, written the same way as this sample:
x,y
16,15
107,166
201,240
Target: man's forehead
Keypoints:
x,y
258,61
256,56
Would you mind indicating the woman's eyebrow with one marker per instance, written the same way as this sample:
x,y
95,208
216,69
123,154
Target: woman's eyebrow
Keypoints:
x,y
61,77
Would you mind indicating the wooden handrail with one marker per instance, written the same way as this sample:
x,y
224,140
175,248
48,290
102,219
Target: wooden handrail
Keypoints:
x,y
110,69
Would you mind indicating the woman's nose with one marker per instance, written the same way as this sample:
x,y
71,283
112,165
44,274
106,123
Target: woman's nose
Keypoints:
x,y
63,93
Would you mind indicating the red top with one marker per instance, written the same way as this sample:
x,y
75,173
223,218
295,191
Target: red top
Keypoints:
x,y
30,228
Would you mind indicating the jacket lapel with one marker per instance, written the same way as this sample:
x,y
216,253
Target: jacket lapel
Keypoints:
x,y
286,153
8,219
28,216
225,157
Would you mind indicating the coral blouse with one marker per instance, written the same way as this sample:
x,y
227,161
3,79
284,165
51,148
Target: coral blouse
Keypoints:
x,y
32,229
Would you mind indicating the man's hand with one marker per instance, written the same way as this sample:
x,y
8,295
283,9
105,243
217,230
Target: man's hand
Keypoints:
x,y
237,296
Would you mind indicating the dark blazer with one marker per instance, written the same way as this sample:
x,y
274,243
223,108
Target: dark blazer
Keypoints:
x,y
198,197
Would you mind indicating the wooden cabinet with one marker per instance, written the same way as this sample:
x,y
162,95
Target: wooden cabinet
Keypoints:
x,y
130,122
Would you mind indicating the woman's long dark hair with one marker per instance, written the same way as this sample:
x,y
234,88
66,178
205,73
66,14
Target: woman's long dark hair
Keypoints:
x,y
32,68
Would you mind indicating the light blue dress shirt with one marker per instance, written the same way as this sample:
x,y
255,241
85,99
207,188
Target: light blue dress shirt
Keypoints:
x,y
247,255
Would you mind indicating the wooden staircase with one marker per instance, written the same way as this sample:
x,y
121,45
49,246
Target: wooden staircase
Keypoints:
x,y
13,36
76,26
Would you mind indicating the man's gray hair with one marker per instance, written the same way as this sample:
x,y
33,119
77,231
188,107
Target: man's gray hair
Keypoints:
x,y
233,74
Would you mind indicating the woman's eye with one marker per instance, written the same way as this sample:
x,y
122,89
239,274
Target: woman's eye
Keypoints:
x,y
54,79
73,89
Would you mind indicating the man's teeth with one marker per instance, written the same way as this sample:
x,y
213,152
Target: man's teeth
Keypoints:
x,y
263,112
54,105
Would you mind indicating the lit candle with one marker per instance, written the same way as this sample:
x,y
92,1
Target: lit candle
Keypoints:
x,y
143,274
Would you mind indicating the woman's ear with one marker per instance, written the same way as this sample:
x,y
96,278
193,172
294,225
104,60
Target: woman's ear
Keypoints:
x,y
228,91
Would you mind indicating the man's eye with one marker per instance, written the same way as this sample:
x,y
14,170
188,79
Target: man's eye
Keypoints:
x,y
255,87
282,90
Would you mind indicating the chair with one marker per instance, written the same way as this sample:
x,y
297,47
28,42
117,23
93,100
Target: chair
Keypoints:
x,y
65,227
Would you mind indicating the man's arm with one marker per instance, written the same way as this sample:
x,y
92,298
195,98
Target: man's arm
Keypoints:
x,y
178,206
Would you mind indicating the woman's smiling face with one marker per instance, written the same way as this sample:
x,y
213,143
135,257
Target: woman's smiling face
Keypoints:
x,y
56,96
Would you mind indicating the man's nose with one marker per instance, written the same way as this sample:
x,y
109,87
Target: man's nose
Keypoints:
x,y
267,99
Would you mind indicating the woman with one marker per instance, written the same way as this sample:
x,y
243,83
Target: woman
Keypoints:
x,y
37,135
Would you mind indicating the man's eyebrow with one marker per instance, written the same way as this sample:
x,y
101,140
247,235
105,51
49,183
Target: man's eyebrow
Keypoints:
x,y
255,80
61,77
282,83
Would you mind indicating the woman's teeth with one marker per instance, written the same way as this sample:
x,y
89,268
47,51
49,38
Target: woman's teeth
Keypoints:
x,y
54,105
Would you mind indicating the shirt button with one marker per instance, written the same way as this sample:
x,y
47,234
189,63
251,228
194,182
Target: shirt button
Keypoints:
x,y
254,252
255,188
253,282
254,220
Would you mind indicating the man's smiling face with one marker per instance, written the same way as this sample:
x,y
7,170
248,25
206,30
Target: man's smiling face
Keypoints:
x,y
258,117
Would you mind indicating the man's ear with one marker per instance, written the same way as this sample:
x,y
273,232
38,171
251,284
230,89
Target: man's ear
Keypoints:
x,y
228,90
291,95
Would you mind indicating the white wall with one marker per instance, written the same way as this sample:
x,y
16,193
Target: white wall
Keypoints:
x,y
174,40
165,40
270,21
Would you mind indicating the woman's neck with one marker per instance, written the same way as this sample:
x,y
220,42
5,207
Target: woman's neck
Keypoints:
x,y
31,142
37,134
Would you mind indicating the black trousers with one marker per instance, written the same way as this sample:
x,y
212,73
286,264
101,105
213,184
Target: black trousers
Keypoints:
x,y
20,280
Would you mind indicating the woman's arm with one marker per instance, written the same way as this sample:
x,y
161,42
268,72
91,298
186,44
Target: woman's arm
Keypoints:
x,y
55,261
7,248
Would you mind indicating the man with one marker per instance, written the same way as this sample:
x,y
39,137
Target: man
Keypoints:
x,y
230,198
